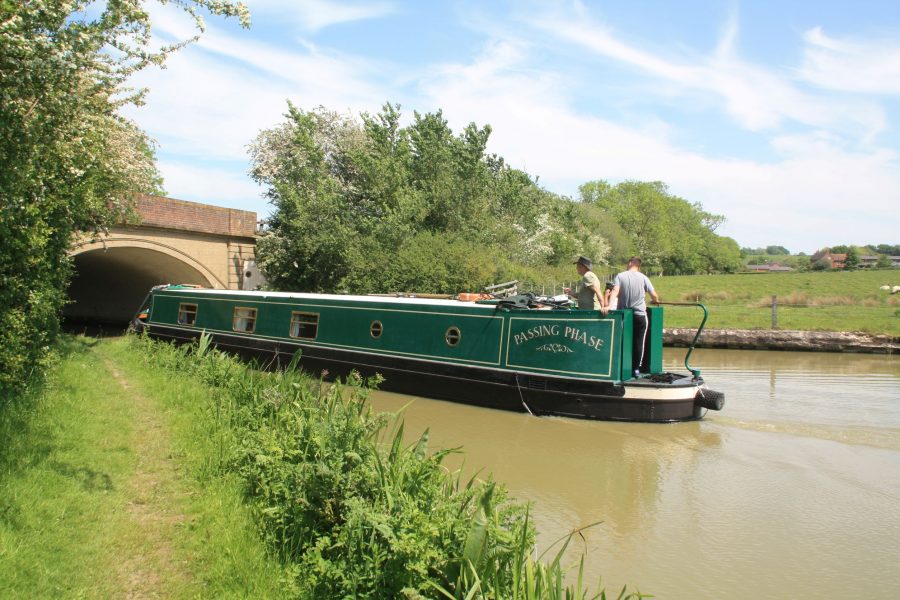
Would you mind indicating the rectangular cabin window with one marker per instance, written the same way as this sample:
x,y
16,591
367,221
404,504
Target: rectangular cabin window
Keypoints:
x,y
187,314
244,319
304,325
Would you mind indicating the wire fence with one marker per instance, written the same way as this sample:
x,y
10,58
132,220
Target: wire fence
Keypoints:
x,y
883,319
544,288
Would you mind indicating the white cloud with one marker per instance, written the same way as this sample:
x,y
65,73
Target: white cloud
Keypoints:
x,y
757,98
815,190
868,66
196,108
215,96
212,185
302,64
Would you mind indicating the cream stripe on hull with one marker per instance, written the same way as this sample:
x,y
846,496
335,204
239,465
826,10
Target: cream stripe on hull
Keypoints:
x,y
639,392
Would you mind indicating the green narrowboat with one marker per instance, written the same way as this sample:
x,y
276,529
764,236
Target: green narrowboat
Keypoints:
x,y
492,353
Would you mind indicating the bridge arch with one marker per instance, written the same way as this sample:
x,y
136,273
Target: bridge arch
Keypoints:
x,y
174,242
110,280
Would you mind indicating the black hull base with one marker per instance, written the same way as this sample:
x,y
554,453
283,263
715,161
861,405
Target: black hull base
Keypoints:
x,y
490,388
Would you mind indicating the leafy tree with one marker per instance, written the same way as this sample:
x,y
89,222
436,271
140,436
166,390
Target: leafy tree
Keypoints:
x,y
883,261
68,161
889,249
582,229
852,260
821,264
363,204
721,254
841,249
315,230
438,263
801,262
641,209
777,250
668,232
355,198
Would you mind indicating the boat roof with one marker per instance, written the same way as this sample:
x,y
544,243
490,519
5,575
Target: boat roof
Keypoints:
x,y
404,300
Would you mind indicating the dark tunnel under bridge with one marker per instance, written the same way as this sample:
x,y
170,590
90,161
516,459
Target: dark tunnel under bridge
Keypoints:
x,y
108,284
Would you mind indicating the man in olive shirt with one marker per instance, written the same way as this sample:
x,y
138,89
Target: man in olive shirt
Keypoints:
x,y
590,292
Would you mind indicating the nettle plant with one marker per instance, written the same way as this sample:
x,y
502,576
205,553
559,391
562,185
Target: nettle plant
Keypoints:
x,y
349,506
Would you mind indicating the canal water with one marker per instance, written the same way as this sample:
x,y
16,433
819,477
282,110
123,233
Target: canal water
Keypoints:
x,y
793,491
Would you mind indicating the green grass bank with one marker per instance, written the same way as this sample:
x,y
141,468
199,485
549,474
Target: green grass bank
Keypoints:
x,y
143,470
107,489
811,301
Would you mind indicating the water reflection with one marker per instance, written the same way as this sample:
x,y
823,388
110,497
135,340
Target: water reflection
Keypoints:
x,y
578,472
791,491
851,398
807,362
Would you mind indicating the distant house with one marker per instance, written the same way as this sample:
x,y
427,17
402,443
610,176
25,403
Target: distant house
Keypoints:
x,y
771,268
838,261
872,260
868,260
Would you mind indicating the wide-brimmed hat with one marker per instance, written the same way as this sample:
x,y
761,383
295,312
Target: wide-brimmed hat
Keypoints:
x,y
584,260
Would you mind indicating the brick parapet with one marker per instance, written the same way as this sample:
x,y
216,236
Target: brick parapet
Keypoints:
x,y
181,215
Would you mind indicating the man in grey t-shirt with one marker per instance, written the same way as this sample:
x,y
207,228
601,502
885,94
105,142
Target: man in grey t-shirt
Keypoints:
x,y
630,286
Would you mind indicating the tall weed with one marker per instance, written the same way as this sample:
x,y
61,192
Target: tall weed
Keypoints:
x,y
835,301
706,296
794,299
350,508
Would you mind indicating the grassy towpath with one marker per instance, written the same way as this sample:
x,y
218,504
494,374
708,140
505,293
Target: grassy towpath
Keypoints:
x,y
107,489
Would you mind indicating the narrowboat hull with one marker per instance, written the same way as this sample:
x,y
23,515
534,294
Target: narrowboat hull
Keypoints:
x,y
661,398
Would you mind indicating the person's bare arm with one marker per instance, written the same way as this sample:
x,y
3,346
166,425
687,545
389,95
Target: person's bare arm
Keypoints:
x,y
598,293
612,296
655,297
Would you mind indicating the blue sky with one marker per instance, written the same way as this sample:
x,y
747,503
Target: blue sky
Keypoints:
x,y
782,116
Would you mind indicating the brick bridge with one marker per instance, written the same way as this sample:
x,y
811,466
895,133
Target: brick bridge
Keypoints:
x,y
175,242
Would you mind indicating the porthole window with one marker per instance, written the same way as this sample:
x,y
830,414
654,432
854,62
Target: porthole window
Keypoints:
x,y
244,319
452,336
187,314
376,329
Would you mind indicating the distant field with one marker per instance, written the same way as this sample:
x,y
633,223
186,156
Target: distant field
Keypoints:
x,y
825,301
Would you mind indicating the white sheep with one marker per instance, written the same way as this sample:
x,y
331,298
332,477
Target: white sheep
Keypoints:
x,y
895,289
885,288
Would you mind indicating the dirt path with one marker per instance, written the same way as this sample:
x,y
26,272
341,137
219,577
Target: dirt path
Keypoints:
x,y
148,566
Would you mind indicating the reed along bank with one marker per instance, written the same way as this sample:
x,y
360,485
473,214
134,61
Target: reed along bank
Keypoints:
x,y
321,496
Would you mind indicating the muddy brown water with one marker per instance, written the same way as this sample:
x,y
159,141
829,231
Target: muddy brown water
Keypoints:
x,y
793,491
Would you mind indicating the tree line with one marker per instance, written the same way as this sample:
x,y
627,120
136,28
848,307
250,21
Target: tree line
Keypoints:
x,y
819,260
370,205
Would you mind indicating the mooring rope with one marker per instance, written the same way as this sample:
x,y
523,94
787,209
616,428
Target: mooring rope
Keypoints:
x,y
521,397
